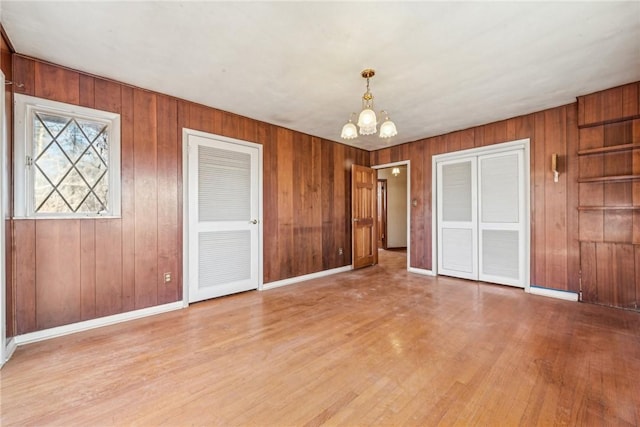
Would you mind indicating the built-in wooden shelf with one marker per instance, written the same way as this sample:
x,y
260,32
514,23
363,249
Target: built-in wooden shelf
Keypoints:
x,y
610,149
616,178
609,208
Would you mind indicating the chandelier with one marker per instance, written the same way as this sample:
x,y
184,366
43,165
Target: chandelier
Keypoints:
x,y
367,120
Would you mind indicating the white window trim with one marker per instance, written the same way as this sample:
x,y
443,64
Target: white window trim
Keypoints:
x,y
23,147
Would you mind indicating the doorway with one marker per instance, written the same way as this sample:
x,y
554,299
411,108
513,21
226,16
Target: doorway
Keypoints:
x,y
223,245
394,211
481,199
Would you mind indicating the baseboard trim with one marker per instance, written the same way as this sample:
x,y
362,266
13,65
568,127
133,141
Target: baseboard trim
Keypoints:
x,y
298,279
420,271
59,331
553,293
9,349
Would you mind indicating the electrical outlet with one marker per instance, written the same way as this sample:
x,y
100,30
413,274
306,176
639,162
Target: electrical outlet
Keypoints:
x,y
340,251
167,277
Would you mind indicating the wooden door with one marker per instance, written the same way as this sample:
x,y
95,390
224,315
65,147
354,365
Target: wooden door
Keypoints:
x,y
382,213
224,216
364,218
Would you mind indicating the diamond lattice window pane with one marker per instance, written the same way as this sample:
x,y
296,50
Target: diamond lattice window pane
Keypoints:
x,y
91,167
54,124
41,136
54,203
101,145
53,163
73,141
73,189
71,164
91,204
42,188
90,129
101,189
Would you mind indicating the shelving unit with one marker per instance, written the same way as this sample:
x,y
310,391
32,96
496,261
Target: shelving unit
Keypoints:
x,y
608,205
610,149
611,178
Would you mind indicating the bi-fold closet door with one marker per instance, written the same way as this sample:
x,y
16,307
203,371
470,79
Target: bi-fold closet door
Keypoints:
x,y
481,217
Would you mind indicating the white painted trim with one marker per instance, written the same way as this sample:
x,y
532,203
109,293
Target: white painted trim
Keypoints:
x,y
4,353
553,293
11,348
408,164
489,149
305,277
420,271
185,205
95,323
25,106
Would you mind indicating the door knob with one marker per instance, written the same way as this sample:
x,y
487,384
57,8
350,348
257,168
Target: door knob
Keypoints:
x,y
255,221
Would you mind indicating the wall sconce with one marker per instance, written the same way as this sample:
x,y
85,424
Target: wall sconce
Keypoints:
x,y
554,167
395,171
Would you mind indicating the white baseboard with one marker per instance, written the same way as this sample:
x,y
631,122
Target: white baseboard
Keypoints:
x,y
95,323
8,351
420,271
299,279
553,293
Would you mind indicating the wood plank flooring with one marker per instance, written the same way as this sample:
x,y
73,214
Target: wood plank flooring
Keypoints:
x,y
377,346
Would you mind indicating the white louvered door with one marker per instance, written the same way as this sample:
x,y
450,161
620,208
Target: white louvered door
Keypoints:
x,y
224,217
481,216
457,219
501,218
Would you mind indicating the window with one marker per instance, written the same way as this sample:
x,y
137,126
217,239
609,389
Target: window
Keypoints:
x,y
67,160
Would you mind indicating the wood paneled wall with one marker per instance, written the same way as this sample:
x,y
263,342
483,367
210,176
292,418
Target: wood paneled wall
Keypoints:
x,y
72,270
609,123
554,220
6,66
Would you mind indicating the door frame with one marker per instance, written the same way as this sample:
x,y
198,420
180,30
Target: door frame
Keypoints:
x,y
523,144
406,163
186,132
382,213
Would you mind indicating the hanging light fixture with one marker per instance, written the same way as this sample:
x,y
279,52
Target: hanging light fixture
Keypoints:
x,y
367,119
395,171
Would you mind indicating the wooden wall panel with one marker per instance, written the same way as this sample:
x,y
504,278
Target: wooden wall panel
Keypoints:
x,y
307,201
539,171
108,267
24,261
128,198
87,269
145,169
58,290
86,91
6,64
168,226
555,249
270,203
588,273
615,104
285,203
55,83
342,203
573,219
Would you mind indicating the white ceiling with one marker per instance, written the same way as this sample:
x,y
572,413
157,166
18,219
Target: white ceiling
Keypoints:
x,y
440,66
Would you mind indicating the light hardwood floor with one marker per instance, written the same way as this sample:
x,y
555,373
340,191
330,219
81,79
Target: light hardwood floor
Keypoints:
x,y
378,346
